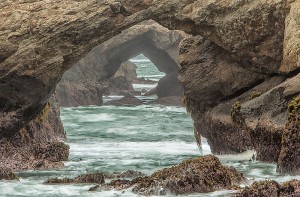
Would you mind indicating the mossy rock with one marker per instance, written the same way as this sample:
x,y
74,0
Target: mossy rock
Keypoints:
x,y
187,103
255,94
236,114
43,114
294,109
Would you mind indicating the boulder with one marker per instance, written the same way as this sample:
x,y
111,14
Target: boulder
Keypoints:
x,y
271,188
197,175
7,174
97,178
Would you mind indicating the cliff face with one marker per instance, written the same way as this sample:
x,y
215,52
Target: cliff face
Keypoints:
x,y
239,48
86,81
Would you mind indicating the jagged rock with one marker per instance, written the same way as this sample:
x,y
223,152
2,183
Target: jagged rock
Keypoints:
x,y
169,86
289,158
7,174
128,70
129,100
271,188
243,44
125,174
198,175
36,145
33,156
55,152
85,178
104,69
119,85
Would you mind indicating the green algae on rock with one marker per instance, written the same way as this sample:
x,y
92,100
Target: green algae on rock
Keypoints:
x,y
289,158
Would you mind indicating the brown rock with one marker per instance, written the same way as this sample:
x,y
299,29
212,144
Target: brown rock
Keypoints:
x,y
7,174
102,69
198,175
85,178
271,188
125,174
128,100
291,45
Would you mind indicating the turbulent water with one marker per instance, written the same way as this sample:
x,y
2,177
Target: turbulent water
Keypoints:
x,y
144,138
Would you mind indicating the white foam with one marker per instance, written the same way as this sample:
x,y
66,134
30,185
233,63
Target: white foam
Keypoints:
x,y
96,117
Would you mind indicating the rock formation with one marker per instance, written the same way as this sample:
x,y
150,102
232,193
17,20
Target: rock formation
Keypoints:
x,y
271,188
238,48
198,175
85,178
128,100
97,72
7,174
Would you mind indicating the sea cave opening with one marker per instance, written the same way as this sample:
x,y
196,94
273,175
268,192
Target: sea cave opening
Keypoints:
x,y
140,132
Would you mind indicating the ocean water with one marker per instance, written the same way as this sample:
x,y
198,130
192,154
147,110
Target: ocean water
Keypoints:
x,y
146,69
144,138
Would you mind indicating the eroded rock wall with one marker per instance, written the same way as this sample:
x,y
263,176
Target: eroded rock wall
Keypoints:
x,y
86,81
221,72
253,41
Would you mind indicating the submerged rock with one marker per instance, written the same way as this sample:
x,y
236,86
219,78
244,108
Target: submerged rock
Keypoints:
x,y
197,175
85,178
94,188
7,174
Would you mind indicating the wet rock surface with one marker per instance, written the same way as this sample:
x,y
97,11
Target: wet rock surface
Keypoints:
x,y
38,156
128,100
198,175
36,145
7,174
125,174
289,158
85,178
271,188
237,46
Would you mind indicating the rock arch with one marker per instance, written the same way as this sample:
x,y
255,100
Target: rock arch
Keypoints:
x,y
85,82
40,40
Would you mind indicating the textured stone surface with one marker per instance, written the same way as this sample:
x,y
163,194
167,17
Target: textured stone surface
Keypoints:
x,y
85,82
271,188
7,174
244,43
128,100
291,53
85,178
197,175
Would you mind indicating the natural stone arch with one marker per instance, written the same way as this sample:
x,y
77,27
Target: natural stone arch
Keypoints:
x,y
85,82
40,44
40,40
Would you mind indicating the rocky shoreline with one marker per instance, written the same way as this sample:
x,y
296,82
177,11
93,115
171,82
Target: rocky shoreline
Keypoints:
x,y
239,69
